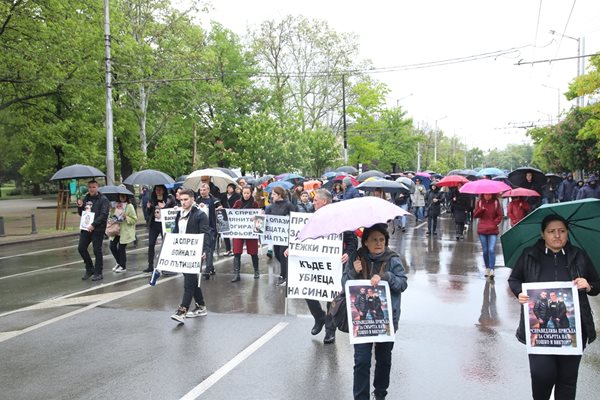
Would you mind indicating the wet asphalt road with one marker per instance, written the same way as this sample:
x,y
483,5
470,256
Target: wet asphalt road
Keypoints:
x,y
63,338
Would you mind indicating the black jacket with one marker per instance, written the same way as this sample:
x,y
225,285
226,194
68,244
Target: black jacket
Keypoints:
x,y
100,208
528,269
197,223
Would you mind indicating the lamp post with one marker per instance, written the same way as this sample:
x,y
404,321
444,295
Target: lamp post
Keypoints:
x,y
580,61
435,133
110,154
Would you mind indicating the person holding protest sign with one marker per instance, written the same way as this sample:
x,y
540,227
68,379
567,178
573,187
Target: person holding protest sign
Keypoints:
x,y
191,220
228,199
554,259
322,198
158,200
94,232
377,262
247,201
280,206
126,217
208,204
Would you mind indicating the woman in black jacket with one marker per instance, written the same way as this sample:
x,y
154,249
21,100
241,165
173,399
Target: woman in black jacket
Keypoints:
x,y
280,206
159,199
554,259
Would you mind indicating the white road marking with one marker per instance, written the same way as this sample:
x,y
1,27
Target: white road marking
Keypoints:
x,y
234,362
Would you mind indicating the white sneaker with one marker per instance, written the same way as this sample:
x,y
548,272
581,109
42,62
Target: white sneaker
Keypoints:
x,y
115,267
487,272
491,273
179,315
119,269
199,311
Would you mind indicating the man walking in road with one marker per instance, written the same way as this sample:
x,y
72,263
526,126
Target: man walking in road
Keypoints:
x,y
94,233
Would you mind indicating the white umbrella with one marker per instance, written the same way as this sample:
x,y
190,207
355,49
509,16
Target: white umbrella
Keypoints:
x,y
219,178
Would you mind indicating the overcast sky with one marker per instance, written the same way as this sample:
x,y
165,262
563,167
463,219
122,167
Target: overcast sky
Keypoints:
x,y
482,102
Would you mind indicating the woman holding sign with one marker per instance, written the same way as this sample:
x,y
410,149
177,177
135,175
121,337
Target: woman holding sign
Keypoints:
x,y
247,201
280,206
375,261
554,259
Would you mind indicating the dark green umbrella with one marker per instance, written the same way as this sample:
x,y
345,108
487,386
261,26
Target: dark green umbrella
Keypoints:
x,y
584,229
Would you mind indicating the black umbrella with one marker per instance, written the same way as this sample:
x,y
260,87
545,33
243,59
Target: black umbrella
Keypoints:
x,y
347,169
517,177
181,178
250,180
555,180
113,192
470,174
77,171
383,185
148,177
504,179
369,174
228,172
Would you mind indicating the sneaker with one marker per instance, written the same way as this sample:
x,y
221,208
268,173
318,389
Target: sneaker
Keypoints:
x,y
179,315
491,273
403,229
119,269
86,275
199,311
487,272
270,253
116,267
97,277
281,281
428,233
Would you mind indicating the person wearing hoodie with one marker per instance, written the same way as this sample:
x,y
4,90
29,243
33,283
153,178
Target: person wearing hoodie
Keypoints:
x,y
565,189
590,190
433,202
518,208
576,189
489,212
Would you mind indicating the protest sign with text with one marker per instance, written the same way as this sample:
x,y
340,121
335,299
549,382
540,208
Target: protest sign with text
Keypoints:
x,y
276,230
181,252
552,319
167,219
329,245
241,223
369,311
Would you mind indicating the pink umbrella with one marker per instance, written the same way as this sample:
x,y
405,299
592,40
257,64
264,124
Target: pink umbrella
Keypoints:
x,y
484,186
349,215
521,192
424,174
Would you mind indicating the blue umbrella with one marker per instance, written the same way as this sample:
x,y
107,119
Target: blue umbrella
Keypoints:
x,y
332,174
284,184
491,171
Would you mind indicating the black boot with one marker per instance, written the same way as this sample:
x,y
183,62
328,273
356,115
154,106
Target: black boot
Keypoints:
x,y
329,336
236,268
255,265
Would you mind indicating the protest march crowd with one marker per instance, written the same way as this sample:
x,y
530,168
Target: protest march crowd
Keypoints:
x,y
354,264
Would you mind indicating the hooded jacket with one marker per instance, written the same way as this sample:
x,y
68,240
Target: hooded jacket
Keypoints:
x,y
490,216
528,269
590,190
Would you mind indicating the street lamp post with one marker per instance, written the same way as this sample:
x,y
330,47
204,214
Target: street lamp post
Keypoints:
x,y
110,154
435,133
580,60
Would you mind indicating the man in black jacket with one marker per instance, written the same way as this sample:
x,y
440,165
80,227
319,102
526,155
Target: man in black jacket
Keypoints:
x,y
541,311
99,205
190,219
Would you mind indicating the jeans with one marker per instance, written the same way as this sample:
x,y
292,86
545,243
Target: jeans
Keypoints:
x,y
153,234
283,261
191,290
488,243
549,371
419,213
402,220
118,251
362,369
96,238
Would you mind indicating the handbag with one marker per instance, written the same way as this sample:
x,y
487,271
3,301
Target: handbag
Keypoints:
x,y
113,228
339,313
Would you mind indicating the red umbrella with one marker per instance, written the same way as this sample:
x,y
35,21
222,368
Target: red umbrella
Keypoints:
x,y
452,180
484,186
521,192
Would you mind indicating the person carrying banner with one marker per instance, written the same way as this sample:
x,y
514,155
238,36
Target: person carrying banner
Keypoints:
x,y
554,259
100,206
208,204
247,201
280,206
228,199
191,220
380,263
159,199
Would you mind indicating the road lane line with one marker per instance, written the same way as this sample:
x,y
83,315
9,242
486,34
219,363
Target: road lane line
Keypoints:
x,y
234,362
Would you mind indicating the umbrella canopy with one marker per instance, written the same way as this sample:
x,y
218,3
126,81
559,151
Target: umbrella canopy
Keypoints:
x,y
113,192
521,192
219,178
347,169
311,185
406,181
77,171
490,172
555,180
329,184
227,171
467,173
517,177
264,178
284,184
349,215
181,178
452,180
369,174
294,178
250,180
425,181
484,186
503,178
424,174
584,229
332,174
148,177
384,185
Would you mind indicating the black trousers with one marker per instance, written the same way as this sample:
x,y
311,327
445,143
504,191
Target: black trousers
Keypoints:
x,y
95,238
191,291
548,371
283,261
154,232
118,251
318,314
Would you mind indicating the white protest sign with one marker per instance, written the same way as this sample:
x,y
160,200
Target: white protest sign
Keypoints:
x,y
276,230
87,217
167,219
181,252
314,265
241,223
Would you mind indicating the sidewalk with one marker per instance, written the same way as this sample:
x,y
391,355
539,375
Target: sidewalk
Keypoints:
x,y
17,214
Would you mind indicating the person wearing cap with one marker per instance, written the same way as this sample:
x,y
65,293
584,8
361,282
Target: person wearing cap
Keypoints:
x,y
565,189
590,190
350,192
418,199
